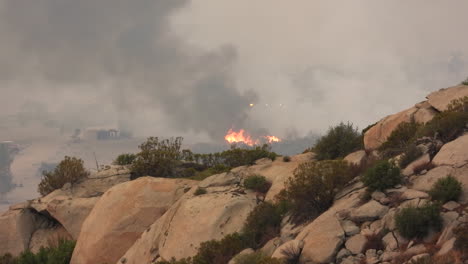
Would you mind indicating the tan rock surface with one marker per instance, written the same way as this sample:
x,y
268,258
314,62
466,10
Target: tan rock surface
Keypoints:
x,y
16,229
442,98
191,221
122,214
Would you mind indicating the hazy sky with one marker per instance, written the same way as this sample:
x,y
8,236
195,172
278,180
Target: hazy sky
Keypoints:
x,y
181,67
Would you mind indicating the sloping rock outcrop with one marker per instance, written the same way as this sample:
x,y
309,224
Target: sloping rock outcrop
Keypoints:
x,y
29,224
421,113
195,219
122,214
72,204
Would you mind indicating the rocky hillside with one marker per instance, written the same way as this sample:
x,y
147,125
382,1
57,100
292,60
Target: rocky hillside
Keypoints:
x,y
148,220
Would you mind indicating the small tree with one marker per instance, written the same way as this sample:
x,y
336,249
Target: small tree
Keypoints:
x,y
446,189
257,183
125,159
338,142
263,224
415,222
157,158
313,188
69,170
382,176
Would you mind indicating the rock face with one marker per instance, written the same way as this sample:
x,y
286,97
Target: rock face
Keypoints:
x,y
441,99
368,212
122,214
193,220
379,133
16,229
72,204
322,239
453,153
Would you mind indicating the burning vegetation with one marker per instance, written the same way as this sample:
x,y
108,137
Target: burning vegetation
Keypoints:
x,y
243,137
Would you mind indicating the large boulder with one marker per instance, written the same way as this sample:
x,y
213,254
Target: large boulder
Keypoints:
x,y
194,219
378,134
420,113
370,211
454,153
71,204
322,239
122,214
441,99
16,229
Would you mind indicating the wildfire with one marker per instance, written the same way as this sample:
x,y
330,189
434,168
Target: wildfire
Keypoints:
x,y
243,137
272,139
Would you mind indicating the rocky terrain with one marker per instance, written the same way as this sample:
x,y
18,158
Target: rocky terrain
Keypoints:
x,y
115,220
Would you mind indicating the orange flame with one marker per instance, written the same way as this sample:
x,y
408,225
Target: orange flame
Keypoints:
x,y
243,137
236,137
272,139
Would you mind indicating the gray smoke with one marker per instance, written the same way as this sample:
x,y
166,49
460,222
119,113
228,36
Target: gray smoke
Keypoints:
x,y
115,61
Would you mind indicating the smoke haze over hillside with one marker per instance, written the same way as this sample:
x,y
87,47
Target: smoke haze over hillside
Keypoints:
x,y
183,67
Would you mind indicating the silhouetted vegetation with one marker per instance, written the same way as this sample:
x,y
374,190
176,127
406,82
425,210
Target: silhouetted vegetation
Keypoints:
x,y
446,189
416,222
286,158
165,158
381,176
69,170
313,188
61,254
338,142
125,159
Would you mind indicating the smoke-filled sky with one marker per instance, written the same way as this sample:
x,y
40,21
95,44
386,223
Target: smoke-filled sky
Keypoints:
x,y
192,67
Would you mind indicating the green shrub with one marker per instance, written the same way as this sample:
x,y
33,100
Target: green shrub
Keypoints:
x,y
256,258
461,236
220,251
338,142
445,126
399,139
257,183
313,188
200,191
157,158
382,176
446,189
69,170
411,154
263,224
125,159
415,222
286,159
61,254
